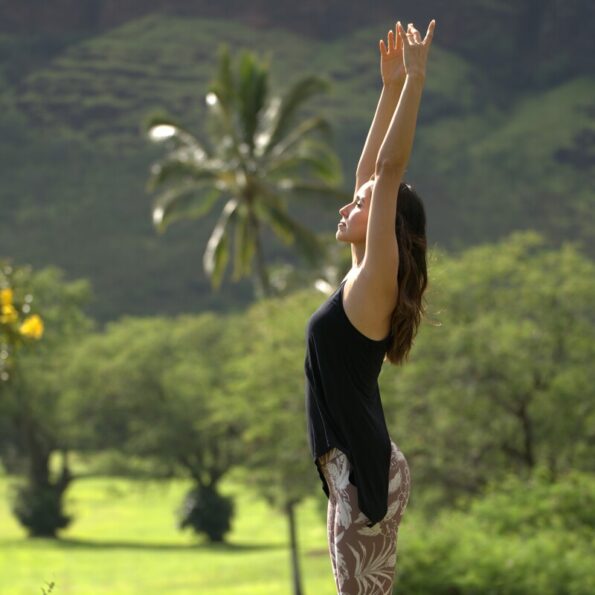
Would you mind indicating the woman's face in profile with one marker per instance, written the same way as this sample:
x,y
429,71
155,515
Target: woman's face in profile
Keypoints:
x,y
354,216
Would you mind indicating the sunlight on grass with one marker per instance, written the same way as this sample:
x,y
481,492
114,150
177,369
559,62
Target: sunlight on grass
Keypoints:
x,y
125,541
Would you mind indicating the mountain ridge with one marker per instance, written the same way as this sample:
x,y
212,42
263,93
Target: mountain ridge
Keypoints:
x,y
489,156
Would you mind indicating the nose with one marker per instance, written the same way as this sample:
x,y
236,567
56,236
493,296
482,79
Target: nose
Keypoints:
x,y
344,211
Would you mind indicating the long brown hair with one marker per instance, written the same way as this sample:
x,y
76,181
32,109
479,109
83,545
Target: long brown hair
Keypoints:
x,y
412,277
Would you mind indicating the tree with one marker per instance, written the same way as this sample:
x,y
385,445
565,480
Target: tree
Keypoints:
x,y
31,388
258,159
504,383
268,394
147,388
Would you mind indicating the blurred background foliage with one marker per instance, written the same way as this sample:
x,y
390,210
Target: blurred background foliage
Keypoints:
x,y
144,373
505,136
494,411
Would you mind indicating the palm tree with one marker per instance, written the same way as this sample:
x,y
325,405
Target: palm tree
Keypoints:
x,y
258,159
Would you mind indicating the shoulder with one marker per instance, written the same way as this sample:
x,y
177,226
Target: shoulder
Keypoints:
x,y
368,306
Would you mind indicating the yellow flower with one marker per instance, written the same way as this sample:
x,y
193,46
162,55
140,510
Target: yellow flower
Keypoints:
x,y
32,327
8,314
6,296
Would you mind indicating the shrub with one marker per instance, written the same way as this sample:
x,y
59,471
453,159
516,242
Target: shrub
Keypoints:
x,y
39,509
206,511
520,538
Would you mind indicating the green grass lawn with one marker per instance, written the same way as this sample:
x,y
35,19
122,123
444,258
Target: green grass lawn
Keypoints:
x,y
125,541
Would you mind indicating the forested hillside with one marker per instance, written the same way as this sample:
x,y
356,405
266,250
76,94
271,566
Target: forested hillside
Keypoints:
x,y
506,133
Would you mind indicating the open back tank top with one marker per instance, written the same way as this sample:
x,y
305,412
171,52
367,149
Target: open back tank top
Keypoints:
x,y
343,406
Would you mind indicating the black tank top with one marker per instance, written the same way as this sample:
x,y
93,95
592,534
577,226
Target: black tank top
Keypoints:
x,y
343,406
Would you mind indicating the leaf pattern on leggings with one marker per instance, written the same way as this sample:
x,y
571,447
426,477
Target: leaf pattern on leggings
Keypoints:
x,y
395,482
339,471
364,565
372,565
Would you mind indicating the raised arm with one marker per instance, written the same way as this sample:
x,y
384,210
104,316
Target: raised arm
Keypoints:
x,y
381,255
392,71
398,142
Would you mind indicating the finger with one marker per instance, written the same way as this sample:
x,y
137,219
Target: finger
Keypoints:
x,y
391,40
414,32
401,33
382,46
430,33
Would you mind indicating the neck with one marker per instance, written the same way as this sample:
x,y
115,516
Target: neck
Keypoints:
x,y
357,254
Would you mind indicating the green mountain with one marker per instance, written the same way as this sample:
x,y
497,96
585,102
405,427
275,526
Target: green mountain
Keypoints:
x,y
495,150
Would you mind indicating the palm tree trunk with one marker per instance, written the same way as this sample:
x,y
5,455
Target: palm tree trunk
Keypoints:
x,y
295,567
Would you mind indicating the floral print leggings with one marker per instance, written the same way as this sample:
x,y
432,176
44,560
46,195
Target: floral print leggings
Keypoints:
x,y
363,558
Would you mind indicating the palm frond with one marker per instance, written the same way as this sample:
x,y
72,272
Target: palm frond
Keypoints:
x,y
299,133
216,255
291,101
318,157
290,231
190,201
252,92
224,84
159,129
222,100
182,166
268,118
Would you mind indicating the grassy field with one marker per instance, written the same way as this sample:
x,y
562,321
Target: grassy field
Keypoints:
x,y
125,542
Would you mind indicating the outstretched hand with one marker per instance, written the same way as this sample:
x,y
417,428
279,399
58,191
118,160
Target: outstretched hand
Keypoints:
x,y
392,67
415,51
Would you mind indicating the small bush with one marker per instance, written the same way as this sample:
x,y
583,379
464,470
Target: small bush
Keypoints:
x,y
206,511
39,510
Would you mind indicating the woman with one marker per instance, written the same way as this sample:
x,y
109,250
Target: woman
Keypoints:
x,y
372,316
